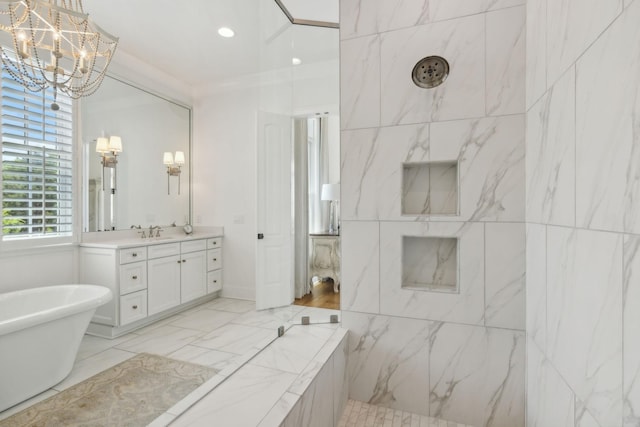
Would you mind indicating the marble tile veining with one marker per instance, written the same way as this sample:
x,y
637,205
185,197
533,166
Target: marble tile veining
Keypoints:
x,y
477,375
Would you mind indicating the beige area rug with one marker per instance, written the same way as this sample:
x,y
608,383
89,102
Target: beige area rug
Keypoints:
x,y
132,393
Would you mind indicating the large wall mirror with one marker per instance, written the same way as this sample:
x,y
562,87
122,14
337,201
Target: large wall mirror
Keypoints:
x,y
136,189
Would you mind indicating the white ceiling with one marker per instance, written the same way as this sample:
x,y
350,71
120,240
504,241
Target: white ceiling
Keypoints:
x,y
180,37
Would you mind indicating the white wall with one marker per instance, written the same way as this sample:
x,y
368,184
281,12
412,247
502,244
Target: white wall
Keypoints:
x,y
24,269
583,213
224,180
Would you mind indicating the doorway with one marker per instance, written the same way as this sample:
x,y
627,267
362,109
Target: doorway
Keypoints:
x,y
316,196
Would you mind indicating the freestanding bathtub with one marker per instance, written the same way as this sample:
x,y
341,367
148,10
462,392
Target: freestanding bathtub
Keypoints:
x,y
40,332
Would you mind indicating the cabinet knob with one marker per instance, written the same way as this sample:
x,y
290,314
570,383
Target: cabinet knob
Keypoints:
x,y
215,281
184,260
134,277
215,259
179,262
135,307
134,254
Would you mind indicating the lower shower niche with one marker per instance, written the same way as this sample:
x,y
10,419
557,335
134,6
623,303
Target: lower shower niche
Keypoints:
x,y
430,264
430,188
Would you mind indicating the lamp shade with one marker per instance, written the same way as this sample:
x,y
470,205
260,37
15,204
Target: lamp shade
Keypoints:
x,y
102,145
330,192
179,158
115,144
168,158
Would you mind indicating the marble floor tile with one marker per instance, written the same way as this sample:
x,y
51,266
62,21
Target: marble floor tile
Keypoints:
x,y
92,345
232,305
238,339
163,340
163,322
205,320
203,356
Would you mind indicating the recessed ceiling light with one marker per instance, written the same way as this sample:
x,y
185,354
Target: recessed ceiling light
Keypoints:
x,y
296,61
226,32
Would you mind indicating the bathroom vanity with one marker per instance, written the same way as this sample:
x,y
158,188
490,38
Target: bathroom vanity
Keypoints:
x,y
150,278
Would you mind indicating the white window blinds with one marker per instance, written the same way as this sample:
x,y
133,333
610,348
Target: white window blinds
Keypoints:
x,y
36,163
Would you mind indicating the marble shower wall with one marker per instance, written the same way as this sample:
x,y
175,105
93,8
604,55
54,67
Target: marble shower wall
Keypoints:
x,y
457,355
583,213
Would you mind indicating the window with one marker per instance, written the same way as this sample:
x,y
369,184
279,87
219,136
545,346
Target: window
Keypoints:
x,y
37,163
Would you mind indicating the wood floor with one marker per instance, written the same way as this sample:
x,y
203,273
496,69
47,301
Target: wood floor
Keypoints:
x,y
321,296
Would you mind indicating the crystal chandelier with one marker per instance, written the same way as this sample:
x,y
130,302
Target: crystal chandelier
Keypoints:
x,y
54,44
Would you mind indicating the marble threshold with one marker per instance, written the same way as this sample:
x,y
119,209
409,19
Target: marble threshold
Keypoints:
x,y
241,343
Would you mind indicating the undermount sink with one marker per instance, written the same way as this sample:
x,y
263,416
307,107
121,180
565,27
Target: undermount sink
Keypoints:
x,y
162,238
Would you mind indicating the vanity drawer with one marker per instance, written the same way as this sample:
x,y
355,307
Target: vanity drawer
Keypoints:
x,y
133,307
214,281
167,249
133,277
214,259
193,246
133,255
214,243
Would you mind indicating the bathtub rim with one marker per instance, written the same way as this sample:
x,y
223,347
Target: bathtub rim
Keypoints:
x,y
99,295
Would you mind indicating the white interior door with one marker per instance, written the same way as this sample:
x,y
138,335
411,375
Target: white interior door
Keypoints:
x,y
274,269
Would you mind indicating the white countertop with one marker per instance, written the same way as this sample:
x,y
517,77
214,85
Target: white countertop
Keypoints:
x,y
130,238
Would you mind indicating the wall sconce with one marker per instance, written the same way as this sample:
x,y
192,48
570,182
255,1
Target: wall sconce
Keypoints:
x,y
109,148
173,167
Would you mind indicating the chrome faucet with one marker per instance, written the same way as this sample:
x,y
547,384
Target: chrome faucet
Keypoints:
x,y
155,227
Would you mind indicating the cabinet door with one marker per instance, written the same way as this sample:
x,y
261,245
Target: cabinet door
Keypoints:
x,y
193,275
163,283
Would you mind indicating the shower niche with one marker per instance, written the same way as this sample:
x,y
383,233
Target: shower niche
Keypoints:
x,y
430,263
430,188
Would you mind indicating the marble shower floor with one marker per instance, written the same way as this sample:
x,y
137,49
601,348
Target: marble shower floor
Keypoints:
x,y
361,414
222,334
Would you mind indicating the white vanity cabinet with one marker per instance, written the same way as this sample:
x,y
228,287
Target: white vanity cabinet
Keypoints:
x,y
214,265
150,281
